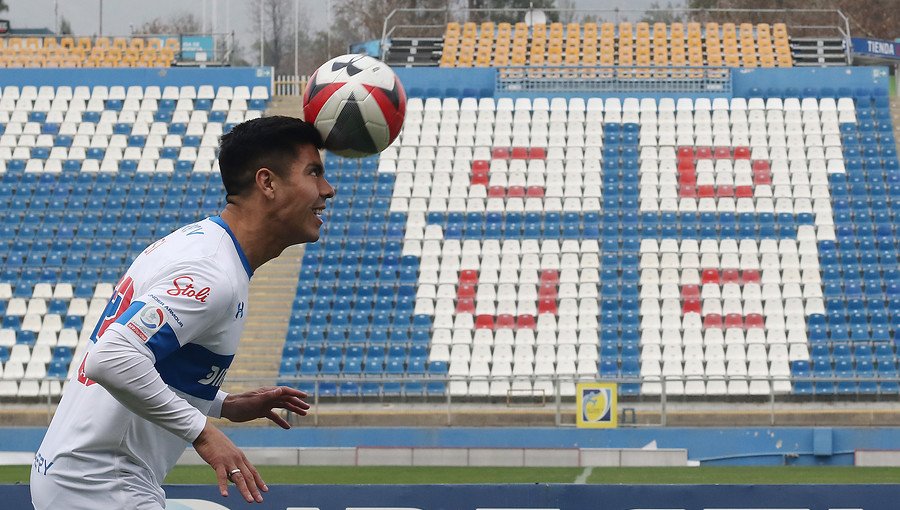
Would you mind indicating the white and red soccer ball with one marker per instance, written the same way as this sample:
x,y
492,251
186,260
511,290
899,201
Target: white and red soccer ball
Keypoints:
x,y
357,103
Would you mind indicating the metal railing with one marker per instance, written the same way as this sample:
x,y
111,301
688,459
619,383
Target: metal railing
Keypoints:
x,y
289,85
626,79
652,396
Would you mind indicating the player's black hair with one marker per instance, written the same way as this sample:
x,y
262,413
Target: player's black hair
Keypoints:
x,y
266,142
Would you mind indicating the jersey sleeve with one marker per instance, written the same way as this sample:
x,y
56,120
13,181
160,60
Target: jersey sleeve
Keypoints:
x,y
171,316
176,308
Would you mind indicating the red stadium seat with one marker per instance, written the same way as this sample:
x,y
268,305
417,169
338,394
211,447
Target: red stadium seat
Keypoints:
x,y
480,164
755,320
496,192
548,290
690,292
505,321
468,276
466,291
742,153
515,192
750,276
743,192
537,153
691,305
731,276
525,322
534,191
709,276
519,153
704,153
465,305
734,320
500,153
549,276
484,322
547,305
722,153
712,321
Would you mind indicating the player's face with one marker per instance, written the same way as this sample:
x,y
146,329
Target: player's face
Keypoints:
x,y
305,200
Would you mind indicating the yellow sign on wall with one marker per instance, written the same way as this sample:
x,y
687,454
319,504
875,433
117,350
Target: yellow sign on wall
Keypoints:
x,y
597,405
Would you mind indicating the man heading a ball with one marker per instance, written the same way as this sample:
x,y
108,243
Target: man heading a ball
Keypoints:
x,y
150,377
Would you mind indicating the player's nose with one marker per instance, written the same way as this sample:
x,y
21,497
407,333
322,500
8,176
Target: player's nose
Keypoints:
x,y
326,190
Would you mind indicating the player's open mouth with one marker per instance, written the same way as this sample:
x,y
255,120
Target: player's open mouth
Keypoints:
x,y
318,211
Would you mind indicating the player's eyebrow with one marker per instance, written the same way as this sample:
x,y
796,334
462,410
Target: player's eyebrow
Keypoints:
x,y
316,167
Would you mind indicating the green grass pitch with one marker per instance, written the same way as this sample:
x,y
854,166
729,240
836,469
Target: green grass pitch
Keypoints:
x,y
451,475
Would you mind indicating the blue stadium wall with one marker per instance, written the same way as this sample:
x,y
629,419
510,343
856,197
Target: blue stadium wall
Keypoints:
x,y
740,446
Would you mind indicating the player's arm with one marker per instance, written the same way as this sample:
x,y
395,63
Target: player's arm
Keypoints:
x,y
124,361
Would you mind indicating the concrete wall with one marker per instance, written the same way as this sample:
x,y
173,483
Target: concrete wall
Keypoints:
x,y
463,457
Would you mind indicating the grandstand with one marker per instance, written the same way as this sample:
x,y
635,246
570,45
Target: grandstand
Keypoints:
x,y
88,52
723,236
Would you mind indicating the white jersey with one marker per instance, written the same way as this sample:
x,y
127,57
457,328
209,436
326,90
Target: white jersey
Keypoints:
x,y
184,298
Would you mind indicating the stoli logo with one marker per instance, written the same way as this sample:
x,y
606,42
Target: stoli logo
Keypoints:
x,y
184,286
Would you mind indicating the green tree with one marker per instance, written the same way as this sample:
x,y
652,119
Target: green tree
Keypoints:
x,y
3,6
65,28
510,11
659,14
178,23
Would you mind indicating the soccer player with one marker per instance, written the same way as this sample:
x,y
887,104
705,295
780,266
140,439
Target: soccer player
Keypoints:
x,y
150,377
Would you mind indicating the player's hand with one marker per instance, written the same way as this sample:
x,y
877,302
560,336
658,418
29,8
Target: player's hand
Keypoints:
x,y
218,451
262,403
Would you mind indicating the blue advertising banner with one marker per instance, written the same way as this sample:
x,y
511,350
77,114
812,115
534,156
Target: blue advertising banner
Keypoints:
x,y
875,48
527,497
198,47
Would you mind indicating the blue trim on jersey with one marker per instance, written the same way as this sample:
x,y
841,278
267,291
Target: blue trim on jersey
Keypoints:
x,y
220,222
185,368
163,343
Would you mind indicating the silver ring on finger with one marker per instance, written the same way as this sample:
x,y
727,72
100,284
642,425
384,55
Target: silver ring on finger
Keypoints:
x,y
233,472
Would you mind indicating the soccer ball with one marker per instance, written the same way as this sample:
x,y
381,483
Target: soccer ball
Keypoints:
x,y
357,103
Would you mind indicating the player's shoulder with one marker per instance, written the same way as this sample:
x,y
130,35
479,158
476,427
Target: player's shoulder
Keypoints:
x,y
202,240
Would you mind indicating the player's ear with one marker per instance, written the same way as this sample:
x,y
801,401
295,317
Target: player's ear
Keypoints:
x,y
265,181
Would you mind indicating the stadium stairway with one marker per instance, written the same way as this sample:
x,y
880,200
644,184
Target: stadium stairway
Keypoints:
x,y
272,292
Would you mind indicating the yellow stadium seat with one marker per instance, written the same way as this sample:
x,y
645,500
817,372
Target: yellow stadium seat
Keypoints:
x,y
626,30
452,27
120,43
660,31
642,29
536,59
50,43
102,42
712,28
693,28
556,28
590,31
520,28
504,29
32,43
137,43
85,43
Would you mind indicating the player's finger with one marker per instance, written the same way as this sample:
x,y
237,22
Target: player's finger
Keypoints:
x,y
301,410
240,481
222,477
292,392
254,482
281,422
258,478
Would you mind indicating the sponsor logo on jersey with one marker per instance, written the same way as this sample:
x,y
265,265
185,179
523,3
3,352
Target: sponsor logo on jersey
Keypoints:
x,y
146,322
215,377
240,310
42,464
184,286
193,230
154,246
118,303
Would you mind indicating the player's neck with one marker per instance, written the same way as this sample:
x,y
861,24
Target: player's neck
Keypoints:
x,y
255,240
